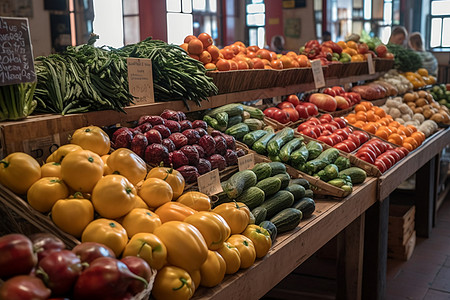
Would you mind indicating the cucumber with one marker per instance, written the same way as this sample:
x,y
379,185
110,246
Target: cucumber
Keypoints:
x,y
329,172
239,182
262,170
254,112
254,124
285,179
288,148
357,175
299,156
306,205
269,185
309,193
297,190
278,202
287,219
277,168
252,197
325,158
260,145
222,120
211,122
302,181
281,137
271,228
330,155
245,115
250,138
238,131
260,214
314,149
234,120
233,109
342,163
274,158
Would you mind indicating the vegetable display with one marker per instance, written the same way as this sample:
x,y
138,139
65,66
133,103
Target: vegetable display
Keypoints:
x,y
404,59
16,101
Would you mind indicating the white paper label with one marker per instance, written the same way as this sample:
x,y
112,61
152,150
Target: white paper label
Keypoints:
x,y
140,80
246,162
319,80
209,183
371,64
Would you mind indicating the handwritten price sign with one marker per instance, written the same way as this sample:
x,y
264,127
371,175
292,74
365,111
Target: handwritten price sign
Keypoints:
x,y
246,162
209,183
317,70
140,80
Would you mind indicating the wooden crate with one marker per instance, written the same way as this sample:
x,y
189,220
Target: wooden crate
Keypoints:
x,y
403,252
401,234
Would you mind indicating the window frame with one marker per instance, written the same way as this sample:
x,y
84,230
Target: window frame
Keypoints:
x,y
429,20
254,27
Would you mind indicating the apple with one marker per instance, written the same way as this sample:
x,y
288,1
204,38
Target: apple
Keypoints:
x,y
311,109
281,116
342,122
314,121
326,139
309,132
326,132
293,114
45,243
323,101
330,127
16,255
285,104
293,99
139,267
268,112
381,50
335,124
351,144
336,138
342,103
342,132
302,111
89,251
325,118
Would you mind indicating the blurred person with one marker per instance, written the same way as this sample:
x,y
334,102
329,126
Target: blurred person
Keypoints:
x,y
429,62
277,44
326,36
398,35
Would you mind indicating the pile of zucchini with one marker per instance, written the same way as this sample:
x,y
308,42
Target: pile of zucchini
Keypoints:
x,y
277,202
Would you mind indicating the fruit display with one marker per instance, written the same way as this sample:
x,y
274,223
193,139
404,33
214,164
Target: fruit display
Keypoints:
x,y
342,99
420,78
230,117
398,81
441,94
291,110
375,90
40,267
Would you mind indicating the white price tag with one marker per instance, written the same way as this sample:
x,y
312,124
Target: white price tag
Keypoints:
x,y
246,162
140,80
209,183
371,64
319,79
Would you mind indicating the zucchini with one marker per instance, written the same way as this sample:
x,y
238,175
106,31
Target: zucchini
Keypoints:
x,y
269,185
278,202
254,112
245,115
325,158
357,175
288,148
306,205
281,137
329,172
254,124
271,228
262,170
302,181
252,197
287,219
233,109
342,163
238,131
309,193
250,138
260,214
260,145
211,122
285,179
299,156
274,158
222,120
239,182
277,168
314,149
234,120
297,190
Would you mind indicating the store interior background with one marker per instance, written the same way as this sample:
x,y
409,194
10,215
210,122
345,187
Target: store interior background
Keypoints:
x,y
53,22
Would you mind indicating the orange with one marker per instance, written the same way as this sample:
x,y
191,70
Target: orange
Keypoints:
x,y
184,46
384,121
342,44
302,61
352,44
210,66
205,57
292,54
287,61
382,134
408,131
359,124
357,58
351,119
214,51
412,141
194,56
188,38
233,65
367,104
393,129
253,48
276,64
257,63
195,46
251,54
205,39
401,130
360,107
242,65
361,116
370,127
385,128
380,112
419,136
273,55
408,146
223,65
397,139
264,54
371,116
394,124
412,127
227,53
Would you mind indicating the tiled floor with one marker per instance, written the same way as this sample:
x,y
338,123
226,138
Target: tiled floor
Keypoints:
x,y
426,275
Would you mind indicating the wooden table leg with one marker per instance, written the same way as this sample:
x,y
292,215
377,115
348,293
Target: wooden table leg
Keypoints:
x,y
350,247
375,251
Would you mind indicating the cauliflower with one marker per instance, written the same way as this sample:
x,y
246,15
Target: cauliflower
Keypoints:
x,y
419,117
392,103
400,120
395,113
406,117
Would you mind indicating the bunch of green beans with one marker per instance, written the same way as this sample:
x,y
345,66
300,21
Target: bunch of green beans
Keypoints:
x,y
16,101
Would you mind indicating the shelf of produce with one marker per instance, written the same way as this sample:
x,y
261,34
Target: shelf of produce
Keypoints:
x,y
293,248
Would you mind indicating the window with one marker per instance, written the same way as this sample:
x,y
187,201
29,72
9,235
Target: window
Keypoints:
x,y
439,24
256,22
186,17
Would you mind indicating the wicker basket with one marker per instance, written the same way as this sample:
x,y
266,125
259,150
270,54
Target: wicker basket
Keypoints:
x,y
383,64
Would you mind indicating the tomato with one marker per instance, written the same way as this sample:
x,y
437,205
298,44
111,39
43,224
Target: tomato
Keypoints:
x,y
107,232
325,118
339,90
196,200
309,132
231,256
341,121
351,144
387,162
268,112
402,149
374,148
155,192
329,91
302,111
311,108
336,124
173,283
390,157
125,162
394,154
260,238
366,154
172,177
330,127
19,171
336,138
326,139
44,193
285,104
399,152
363,137
173,211
140,220
213,269
325,132
314,121
293,99
355,139
343,147
316,130
293,114
281,116
342,132
304,125
380,165
236,214
64,210
246,249
91,138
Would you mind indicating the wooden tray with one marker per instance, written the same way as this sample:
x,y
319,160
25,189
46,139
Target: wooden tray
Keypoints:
x,y
383,64
242,80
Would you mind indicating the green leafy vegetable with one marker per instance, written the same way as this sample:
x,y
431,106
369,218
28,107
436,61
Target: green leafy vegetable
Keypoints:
x,y
406,60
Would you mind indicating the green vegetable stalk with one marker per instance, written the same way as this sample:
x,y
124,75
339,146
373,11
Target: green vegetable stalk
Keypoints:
x,y
405,60
16,101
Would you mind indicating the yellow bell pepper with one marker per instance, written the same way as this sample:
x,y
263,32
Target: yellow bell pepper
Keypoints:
x,y
92,138
236,214
196,200
140,220
148,247
174,211
58,155
155,192
72,215
125,162
107,232
213,269
113,196
212,226
18,171
51,169
231,256
260,238
140,203
196,278
81,170
172,177
186,247
172,283
246,249
106,169
44,193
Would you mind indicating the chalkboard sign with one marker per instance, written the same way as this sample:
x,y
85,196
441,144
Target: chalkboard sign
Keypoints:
x,y
16,57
